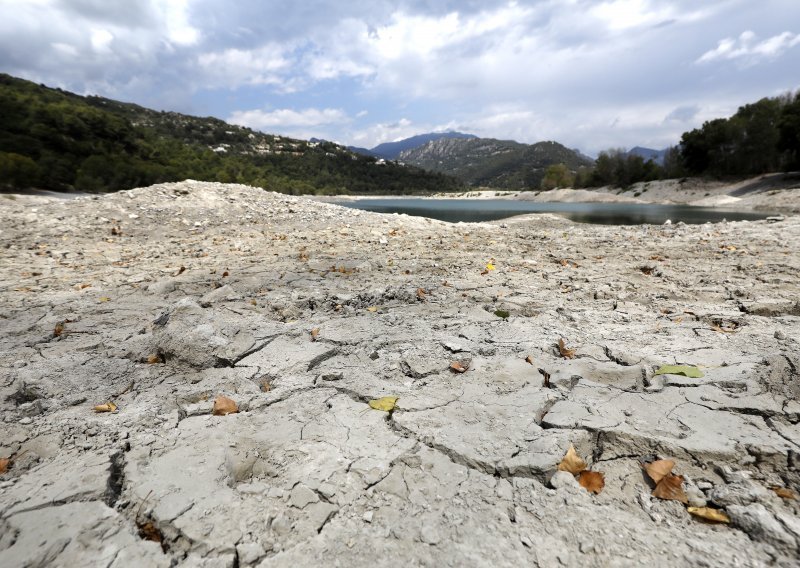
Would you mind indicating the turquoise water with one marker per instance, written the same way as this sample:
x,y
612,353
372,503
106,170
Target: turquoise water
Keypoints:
x,y
475,210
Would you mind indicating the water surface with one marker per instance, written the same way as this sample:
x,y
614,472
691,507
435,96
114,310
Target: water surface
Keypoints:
x,y
475,210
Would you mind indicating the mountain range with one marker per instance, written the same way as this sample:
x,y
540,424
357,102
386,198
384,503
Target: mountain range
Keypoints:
x,y
57,140
486,162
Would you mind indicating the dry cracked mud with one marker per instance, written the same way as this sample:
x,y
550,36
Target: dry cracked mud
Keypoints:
x,y
160,299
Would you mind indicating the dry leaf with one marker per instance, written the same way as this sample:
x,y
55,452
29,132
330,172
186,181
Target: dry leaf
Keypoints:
x,y
572,462
564,351
58,330
545,377
457,367
314,333
484,273
490,267
592,481
421,293
181,270
223,406
153,359
785,493
670,488
265,385
658,469
253,303
5,463
529,360
104,299
107,407
225,274
709,514
372,309
386,403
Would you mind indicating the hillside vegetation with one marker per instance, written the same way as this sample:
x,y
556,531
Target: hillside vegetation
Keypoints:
x,y
486,162
52,139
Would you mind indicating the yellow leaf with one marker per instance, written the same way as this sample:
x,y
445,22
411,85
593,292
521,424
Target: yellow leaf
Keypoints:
x,y
107,407
372,309
490,266
104,299
314,334
572,462
592,481
223,406
386,403
709,514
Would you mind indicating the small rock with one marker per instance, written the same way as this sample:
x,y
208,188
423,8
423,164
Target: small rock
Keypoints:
x,y
302,496
563,479
368,516
759,524
780,335
26,420
429,533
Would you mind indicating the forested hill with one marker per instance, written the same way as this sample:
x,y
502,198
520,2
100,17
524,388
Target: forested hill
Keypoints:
x,y
53,139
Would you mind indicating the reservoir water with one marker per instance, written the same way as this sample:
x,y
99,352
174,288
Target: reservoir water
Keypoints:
x,y
475,210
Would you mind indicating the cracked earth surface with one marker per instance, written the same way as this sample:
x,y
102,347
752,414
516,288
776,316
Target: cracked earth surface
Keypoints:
x,y
224,285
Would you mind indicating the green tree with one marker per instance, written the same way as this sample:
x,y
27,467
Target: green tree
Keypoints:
x,y
18,171
557,175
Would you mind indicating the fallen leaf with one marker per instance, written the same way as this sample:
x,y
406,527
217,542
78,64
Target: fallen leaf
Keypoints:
x,y
490,266
314,334
457,367
592,481
224,406
564,351
572,462
104,299
153,359
58,330
253,303
545,377
225,274
386,403
421,294
5,463
785,493
685,370
107,407
372,309
484,273
670,488
181,270
502,313
658,469
529,360
265,385
149,531
709,514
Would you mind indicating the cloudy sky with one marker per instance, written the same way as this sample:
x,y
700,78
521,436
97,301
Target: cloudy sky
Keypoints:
x,y
592,74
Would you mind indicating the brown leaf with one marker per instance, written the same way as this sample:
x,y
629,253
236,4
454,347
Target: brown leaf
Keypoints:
x,y
153,359
225,274
709,514
421,294
529,360
314,334
181,270
148,531
223,406
572,462
457,367
545,377
107,407
58,330
658,469
785,493
564,351
265,385
592,481
5,463
670,488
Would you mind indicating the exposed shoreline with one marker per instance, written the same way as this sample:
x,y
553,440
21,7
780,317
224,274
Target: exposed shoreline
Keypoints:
x,y
160,299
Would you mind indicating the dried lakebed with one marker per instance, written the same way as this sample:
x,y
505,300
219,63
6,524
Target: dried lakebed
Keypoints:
x,y
160,299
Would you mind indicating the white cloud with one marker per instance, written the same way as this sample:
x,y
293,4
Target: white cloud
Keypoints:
x,y
282,119
175,18
236,67
747,48
101,40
